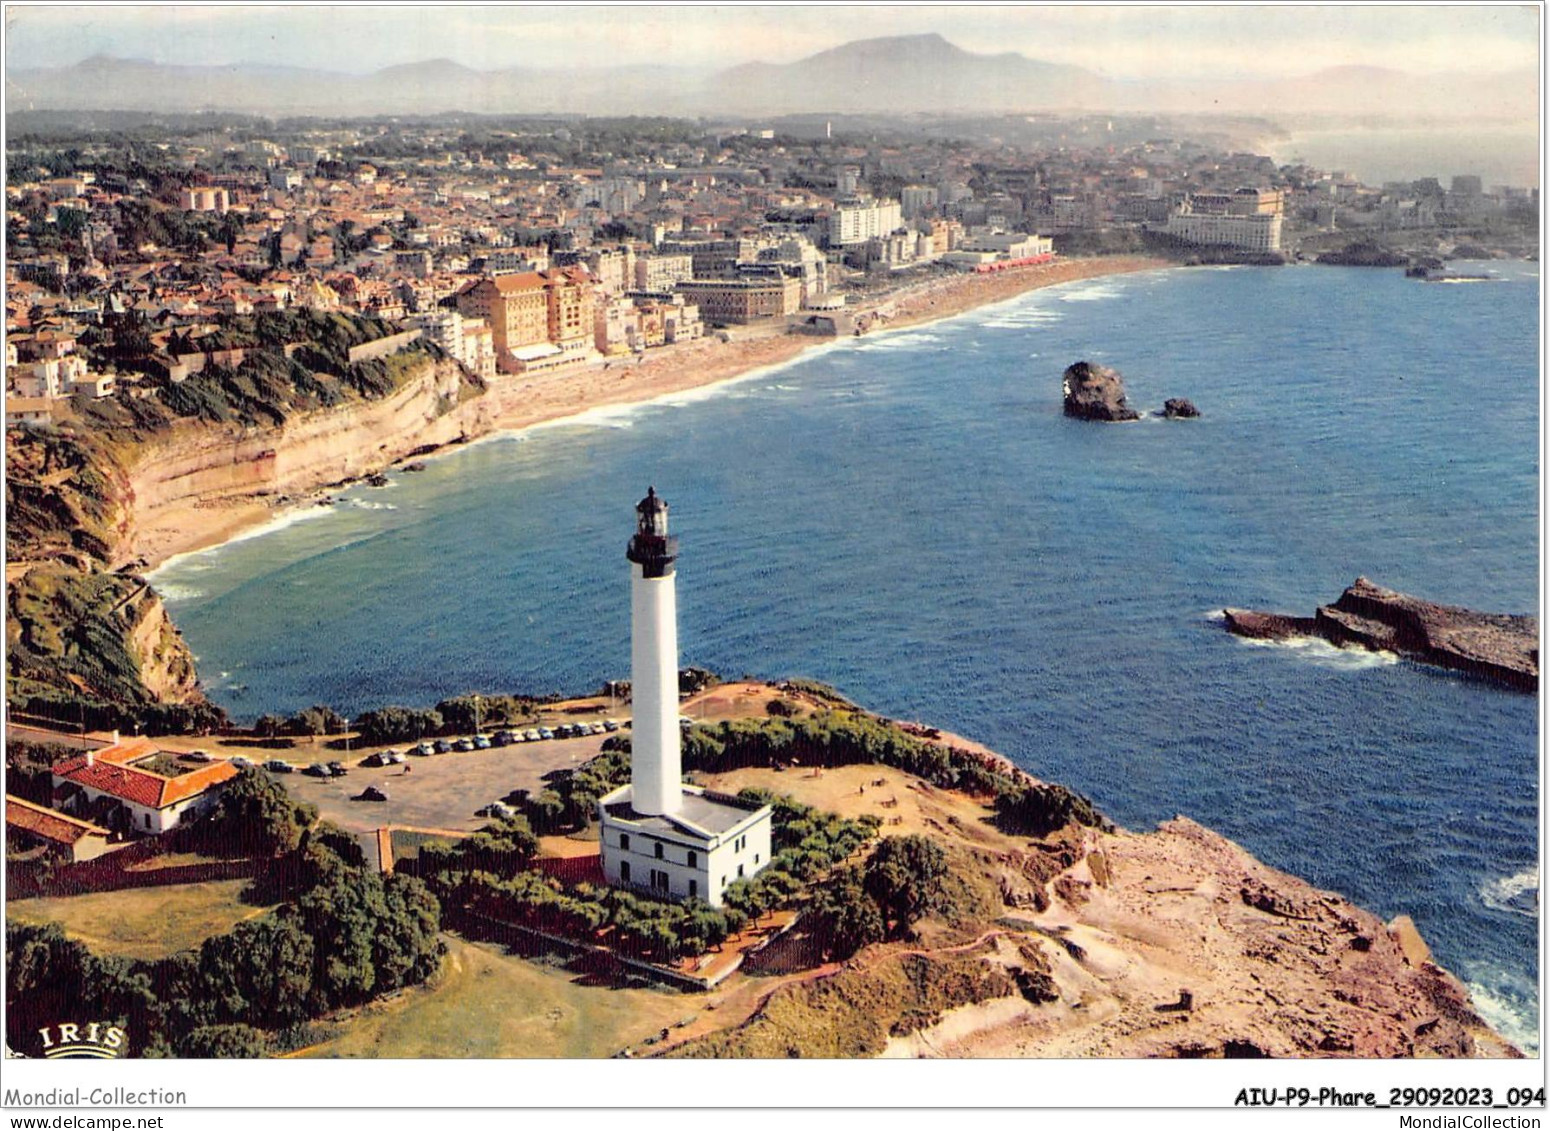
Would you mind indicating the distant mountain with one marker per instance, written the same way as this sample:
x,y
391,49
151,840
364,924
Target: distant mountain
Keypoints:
x,y
910,73
428,87
898,74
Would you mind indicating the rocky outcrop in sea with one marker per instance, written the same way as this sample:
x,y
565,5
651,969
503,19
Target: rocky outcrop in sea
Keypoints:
x,y
1364,253
1095,392
1499,647
1177,408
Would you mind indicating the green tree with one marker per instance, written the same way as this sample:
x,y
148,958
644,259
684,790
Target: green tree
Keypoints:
x,y
905,876
315,720
46,977
844,917
230,1042
505,846
257,817
1040,809
259,972
397,724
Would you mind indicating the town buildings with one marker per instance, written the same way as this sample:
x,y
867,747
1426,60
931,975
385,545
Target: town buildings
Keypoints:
x,y
567,250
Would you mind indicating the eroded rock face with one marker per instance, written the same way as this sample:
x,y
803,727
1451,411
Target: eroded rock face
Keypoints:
x,y
1501,648
1273,966
1095,392
1177,408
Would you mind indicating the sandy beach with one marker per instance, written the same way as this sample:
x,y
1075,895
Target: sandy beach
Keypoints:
x,y
191,527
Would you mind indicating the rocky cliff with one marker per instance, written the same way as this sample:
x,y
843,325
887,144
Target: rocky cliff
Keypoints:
x,y
1497,647
88,637
199,464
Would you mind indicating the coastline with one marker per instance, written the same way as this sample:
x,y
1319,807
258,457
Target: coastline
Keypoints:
x,y
205,524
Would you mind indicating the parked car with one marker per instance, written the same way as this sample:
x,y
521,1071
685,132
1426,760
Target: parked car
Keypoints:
x,y
279,766
316,770
496,809
502,738
610,725
442,746
463,745
336,769
395,757
239,761
372,793
481,742
424,750
545,732
198,756
598,728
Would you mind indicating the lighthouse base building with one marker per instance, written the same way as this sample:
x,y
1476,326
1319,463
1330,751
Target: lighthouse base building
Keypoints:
x,y
672,840
713,840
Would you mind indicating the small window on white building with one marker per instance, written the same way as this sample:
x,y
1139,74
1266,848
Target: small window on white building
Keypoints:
x,y
659,850
624,841
147,820
624,870
694,888
694,859
739,871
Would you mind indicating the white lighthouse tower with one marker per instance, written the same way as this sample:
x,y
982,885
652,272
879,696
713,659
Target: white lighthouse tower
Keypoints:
x,y
673,840
656,773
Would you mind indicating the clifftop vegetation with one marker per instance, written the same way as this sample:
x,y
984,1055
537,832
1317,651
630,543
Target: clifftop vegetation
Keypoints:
x,y
88,644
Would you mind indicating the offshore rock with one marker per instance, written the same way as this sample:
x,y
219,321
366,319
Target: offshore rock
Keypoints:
x,y
1095,392
1364,253
1497,647
1177,408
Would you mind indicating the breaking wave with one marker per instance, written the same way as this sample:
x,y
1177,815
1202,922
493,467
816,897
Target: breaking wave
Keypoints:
x,y
1093,292
1518,894
1513,1017
1326,655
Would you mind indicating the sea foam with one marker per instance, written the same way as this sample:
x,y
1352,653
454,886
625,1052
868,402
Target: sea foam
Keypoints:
x,y
1326,655
195,560
1518,893
1519,1023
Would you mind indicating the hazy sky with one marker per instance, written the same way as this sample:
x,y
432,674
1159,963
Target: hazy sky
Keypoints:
x,y
1121,42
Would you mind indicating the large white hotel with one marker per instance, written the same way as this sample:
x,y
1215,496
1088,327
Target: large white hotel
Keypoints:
x,y
1248,219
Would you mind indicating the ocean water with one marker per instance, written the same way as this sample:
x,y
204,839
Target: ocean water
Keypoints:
x,y
910,518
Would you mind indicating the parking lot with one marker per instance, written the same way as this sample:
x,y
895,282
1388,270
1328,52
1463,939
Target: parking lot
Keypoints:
x,y
442,791
445,791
